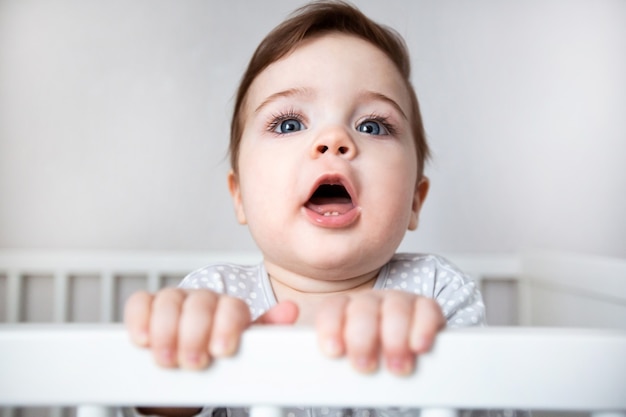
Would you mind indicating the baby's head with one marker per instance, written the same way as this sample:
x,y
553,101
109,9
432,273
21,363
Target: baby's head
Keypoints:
x,y
314,20
327,145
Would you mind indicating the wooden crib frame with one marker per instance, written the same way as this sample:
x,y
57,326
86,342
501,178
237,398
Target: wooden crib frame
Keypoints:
x,y
95,366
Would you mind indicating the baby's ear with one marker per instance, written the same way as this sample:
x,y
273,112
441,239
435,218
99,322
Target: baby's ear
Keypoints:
x,y
421,191
235,193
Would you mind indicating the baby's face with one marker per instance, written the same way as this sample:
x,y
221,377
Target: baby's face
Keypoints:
x,y
327,177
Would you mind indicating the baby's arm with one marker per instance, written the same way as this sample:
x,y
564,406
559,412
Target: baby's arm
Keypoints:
x,y
393,324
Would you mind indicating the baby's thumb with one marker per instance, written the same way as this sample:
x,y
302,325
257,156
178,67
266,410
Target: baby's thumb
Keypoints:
x,y
285,312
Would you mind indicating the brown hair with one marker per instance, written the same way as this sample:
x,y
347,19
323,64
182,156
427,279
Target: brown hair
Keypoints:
x,y
316,19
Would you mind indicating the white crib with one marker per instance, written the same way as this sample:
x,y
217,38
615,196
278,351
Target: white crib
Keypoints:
x,y
95,366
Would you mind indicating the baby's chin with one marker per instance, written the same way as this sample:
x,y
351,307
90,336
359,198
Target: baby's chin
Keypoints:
x,y
337,265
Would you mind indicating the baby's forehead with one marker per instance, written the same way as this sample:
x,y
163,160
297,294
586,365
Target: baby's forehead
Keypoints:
x,y
325,63
347,43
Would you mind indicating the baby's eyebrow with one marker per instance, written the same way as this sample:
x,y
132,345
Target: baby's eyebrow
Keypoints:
x,y
307,92
374,95
290,92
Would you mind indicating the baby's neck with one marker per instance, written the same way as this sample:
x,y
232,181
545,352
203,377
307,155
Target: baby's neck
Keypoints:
x,y
309,293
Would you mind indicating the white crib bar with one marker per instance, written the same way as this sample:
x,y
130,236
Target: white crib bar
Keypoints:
x,y
519,368
266,411
95,411
439,412
61,293
107,297
14,296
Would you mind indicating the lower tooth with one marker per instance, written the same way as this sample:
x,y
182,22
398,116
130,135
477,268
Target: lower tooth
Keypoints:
x,y
331,213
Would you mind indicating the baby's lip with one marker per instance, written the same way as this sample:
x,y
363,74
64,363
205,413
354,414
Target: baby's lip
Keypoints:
x,y
332,202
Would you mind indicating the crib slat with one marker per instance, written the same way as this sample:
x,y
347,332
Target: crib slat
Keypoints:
x,y
154,281
9,412
438,412
265,411
14,296
94,411
107,297
61,293
56,412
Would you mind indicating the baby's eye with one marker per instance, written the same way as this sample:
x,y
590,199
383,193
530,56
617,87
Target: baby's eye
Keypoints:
x,y
373,127
288,126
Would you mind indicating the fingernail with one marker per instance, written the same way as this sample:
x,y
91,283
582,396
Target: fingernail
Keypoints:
x,y
400,365
166,356
331,347
195,359
420,344
220,347
365,364
141,338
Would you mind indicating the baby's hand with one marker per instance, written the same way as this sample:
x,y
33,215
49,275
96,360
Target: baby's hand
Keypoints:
x,y
365,325
190,327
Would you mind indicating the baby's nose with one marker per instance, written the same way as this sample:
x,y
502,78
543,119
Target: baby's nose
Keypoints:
x,y
340,150
334,141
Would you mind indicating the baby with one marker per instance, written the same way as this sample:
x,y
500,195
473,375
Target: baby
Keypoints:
x,y
327,153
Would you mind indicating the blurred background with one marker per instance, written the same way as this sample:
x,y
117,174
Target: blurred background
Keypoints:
x,y
114,121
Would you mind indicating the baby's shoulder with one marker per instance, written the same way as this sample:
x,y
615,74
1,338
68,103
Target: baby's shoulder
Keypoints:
x,y
424,263
421,272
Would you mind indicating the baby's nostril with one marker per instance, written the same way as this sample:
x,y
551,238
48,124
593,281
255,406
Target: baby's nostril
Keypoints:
x,y
343,149
322,148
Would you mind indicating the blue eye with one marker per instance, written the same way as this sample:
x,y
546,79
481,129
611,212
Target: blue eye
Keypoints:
x,y
372,127
289,126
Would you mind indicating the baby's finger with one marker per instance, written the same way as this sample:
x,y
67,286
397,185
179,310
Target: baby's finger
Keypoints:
x,y
285,312
137,317
361,332
428,320
164,325
195,328
232,317
396,314
329,324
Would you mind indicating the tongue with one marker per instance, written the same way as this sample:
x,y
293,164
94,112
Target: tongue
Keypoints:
x,y
330,205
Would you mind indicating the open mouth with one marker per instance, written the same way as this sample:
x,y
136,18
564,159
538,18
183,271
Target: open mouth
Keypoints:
x,y
330,199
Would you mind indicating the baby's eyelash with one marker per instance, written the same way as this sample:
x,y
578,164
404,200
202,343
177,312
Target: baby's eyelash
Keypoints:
x,y
383,120
276,119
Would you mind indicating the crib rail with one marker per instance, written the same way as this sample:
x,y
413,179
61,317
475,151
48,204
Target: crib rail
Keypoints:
x,y
91,286
65,278
527,368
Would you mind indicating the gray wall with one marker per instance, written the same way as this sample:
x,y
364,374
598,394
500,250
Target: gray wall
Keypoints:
x,y
114,121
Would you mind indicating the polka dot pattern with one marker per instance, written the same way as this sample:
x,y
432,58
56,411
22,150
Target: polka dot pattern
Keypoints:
x,y
423,274
435,277
248,283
